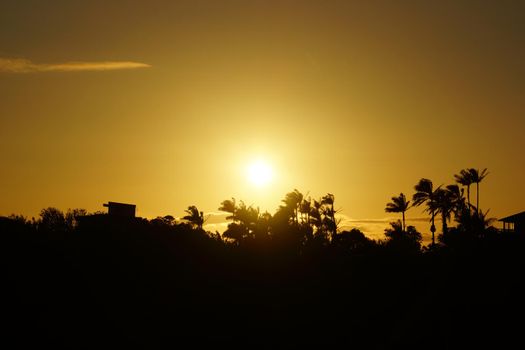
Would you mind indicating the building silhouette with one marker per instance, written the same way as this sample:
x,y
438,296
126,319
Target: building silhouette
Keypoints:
x,y
514,223
121,210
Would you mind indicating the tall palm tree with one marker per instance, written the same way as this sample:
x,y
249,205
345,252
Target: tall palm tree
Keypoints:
x,y
477,177
194,217
464,178
398,205
426,194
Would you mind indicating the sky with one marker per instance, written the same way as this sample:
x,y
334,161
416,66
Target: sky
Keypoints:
x,y
165,104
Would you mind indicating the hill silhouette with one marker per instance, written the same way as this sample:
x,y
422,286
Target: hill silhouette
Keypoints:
x,y
287,280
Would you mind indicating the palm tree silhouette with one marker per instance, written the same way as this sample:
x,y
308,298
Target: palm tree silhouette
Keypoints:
x,y
229,206
426,194
292,201
446,203
398,205
194,217
328,203
247,215
245,219
477,177
315,217
457,198
304,208
464,178
481,222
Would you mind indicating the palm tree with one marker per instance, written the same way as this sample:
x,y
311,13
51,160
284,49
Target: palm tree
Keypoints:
x,y
229,206
262,226
477,177
398,205
408,240
482,223
245,219
426,194
194,217
304,209
247,215
315,217
457,198
328,203
444,204
292,201
464,178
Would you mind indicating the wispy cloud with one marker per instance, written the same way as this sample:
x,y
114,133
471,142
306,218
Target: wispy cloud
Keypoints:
x,y
218,227
21,65
375,228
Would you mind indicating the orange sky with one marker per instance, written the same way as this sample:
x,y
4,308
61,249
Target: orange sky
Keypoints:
x,y
165,103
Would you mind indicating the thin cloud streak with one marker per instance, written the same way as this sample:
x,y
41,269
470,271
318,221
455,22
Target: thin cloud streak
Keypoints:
x,y
386,220
375,228
21,65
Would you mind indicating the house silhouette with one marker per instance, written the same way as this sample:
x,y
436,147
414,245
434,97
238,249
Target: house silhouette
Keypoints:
x,y
121,210
514,223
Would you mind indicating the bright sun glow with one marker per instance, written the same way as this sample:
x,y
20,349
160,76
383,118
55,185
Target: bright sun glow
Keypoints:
x,y
259,173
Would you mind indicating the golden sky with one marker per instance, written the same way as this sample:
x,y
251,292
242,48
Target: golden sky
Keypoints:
x,y
166,103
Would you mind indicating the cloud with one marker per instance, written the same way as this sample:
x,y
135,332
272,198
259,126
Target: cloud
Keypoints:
x,y
214,217
386,220
375,228
21,65
218,227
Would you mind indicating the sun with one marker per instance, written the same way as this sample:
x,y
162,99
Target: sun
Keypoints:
x,y
259,173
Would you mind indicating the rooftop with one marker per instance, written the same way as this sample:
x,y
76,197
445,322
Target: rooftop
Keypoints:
x,y
514,218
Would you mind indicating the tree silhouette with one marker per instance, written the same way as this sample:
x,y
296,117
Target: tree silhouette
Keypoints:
x,y
194,217
425,194
316,217
304,208
329,214
457,198
247,215
353,241
72,217
399,204
292,201
477,177
444,204
168,219
52,220
229,206
464,178
400,240
245,223
236,232
262,226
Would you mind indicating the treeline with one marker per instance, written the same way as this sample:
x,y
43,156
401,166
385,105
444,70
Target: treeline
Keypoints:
x,y
303,221
288,280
